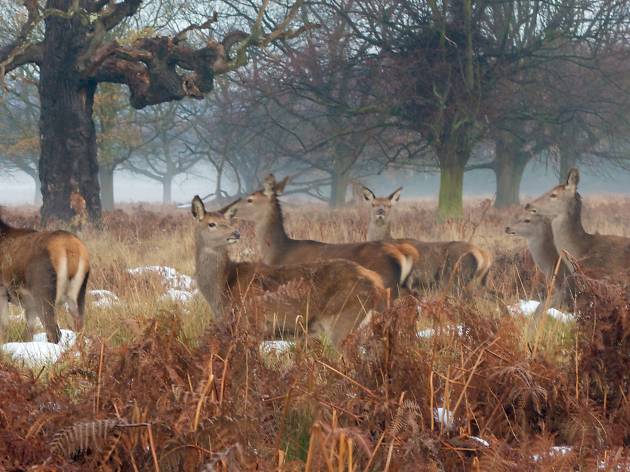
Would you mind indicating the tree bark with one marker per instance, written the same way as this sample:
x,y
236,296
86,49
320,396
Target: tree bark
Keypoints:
x,y
106,179
338,190
451,198
167,185
37,200
509,166
68,137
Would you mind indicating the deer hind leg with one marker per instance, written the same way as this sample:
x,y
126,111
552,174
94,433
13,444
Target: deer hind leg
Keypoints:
x,y
75,298
40,299
4,312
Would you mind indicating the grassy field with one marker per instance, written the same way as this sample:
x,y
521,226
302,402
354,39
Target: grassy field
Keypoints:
x,y
156,385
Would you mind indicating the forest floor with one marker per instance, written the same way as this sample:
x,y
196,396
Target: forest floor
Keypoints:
x,y
438,382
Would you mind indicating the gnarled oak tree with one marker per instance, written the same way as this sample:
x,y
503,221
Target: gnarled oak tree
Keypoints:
x,y
76,53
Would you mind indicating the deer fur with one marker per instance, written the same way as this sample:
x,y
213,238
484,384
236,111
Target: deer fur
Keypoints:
x,y
536,230
329,297
391,260
601,256
42,270
439,260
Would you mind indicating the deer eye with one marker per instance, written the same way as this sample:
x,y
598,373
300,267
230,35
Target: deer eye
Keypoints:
x,y
212,225
553,195
250,200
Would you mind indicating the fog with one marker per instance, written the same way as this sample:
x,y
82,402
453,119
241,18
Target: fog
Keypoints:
x,y
19,188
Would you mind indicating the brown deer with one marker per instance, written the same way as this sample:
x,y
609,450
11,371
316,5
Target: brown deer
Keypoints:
x,y
330,297
441,260
392,261
600,255
42,270
536,230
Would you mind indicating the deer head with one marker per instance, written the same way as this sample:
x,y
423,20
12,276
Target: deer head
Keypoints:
x,y
528,225
257,205
560,200
214,228
380,206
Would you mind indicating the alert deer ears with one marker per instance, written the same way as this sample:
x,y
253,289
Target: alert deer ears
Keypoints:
x,y
197,207
269,184
395,196
229,211
279,188
573,179
271,187
368,195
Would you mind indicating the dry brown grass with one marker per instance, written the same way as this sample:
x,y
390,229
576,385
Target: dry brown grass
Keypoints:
x,y
188,395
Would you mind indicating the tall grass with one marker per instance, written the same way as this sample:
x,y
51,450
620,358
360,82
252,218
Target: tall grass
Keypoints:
x,y
187,394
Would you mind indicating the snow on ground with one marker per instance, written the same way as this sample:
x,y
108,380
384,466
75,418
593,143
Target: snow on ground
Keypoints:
x,y
553,451
182,296
275,346
445,417
40,351
460,330
528,308
172,278
104,298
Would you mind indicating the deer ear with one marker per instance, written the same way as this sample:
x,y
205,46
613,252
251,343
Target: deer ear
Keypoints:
x,y
269,185
368,195
230,210
197,207
573,179
395,196
279,187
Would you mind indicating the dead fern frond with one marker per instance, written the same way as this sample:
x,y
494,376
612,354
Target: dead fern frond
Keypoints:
x,y
97,438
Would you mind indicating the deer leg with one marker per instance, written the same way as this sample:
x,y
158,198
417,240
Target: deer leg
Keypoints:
x,y
40,302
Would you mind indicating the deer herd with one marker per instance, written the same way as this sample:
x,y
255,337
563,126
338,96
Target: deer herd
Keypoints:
x,y
313,287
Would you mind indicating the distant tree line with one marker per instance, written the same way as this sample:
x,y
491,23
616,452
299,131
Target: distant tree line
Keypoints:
x,y
330,92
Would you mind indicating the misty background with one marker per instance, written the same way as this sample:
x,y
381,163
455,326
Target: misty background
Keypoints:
x,y
19,188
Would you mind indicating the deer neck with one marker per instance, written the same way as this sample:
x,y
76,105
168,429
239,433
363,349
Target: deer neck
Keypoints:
x,y
212,267
271,237
544,252
569,234
379,231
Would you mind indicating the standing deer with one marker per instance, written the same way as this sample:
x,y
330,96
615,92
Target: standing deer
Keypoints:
x,y
392,261
601,255
329,297
42,270
441,260
536,230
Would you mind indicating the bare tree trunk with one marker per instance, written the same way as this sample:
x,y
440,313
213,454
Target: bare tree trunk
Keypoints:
x,y
106,178
68,138
167,185
509,166
338,190
37,200
452,158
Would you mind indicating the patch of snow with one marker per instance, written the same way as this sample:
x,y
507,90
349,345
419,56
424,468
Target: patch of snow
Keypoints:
x,y
104,298
182,296
33,353
40,351
172,278
459,330
275,346
553,451
529,307
68,338
480,441
445,417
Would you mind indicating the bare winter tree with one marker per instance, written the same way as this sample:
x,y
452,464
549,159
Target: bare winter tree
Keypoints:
x,y
75,48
